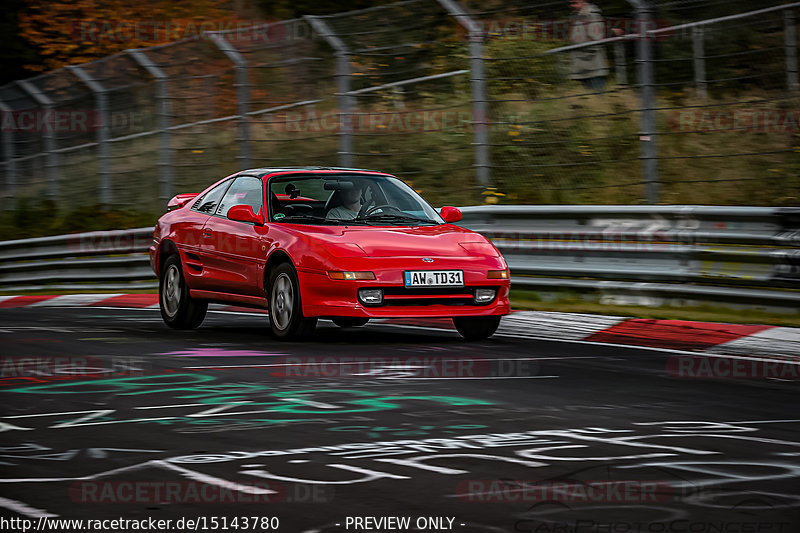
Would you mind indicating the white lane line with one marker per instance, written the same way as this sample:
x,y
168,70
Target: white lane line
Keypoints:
x,y
155,307
310,403
131,468
53,414
112,308
118,422
485,377
24,509
780,420
434,361
212,480
168,406
630,346
531,337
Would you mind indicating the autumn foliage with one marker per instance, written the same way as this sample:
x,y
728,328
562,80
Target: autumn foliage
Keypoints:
x,y
73,32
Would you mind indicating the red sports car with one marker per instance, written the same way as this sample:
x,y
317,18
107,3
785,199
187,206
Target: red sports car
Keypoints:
x,y
309,243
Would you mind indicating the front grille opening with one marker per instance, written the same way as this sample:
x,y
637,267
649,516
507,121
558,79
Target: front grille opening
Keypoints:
x,y
422,296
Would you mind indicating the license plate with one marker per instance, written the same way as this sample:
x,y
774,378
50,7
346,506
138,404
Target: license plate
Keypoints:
x,y
434,278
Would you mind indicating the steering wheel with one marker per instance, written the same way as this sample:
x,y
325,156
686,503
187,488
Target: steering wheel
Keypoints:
x,y
365,211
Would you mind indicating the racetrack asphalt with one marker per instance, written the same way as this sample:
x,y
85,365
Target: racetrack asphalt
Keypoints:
x,y
107,413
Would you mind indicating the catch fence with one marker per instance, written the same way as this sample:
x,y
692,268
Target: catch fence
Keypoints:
x,y
467,100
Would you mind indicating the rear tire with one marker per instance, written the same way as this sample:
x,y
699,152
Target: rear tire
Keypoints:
x,y
349,322
285,308
476,328
178,309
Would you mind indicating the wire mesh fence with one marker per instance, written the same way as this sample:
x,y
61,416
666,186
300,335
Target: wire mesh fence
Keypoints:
x,y
671,101
727,111
574,135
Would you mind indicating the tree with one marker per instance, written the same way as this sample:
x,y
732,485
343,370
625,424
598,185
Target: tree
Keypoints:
x,y
72,32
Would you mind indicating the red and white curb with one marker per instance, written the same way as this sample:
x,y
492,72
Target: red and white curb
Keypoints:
x,y
750,340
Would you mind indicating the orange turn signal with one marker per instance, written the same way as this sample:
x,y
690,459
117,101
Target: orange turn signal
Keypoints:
x,y
497,274
351,275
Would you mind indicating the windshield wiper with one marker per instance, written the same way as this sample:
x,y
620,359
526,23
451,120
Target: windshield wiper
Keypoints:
x,y
305,218
398,218
320,220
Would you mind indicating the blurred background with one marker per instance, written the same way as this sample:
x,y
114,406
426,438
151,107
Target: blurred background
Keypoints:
x,y
110,109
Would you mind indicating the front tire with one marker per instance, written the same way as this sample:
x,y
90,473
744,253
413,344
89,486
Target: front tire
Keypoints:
x,y
476,328
349,322
178,309
285,308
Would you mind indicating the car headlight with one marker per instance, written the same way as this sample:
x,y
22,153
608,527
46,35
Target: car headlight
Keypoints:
x,y
497,274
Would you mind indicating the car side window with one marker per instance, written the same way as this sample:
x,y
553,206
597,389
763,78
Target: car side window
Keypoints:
x,y
245,190
209,202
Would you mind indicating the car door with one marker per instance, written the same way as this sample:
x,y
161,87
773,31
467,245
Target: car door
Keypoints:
x,y
234,252
189,233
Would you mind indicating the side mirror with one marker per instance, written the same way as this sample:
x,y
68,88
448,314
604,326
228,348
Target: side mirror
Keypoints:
x,y
451,214
244,213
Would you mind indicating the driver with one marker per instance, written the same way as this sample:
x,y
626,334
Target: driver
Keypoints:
x,y
351,204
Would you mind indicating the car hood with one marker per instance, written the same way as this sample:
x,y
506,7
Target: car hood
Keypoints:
x,y
387,241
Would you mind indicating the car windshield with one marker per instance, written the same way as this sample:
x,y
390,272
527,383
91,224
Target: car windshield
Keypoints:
x,y
347,199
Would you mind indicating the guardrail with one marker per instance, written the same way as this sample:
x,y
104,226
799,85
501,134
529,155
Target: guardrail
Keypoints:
x,y
107,260
624,254
649,254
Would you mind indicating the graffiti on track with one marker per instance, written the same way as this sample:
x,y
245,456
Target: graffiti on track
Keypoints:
x,y
200,399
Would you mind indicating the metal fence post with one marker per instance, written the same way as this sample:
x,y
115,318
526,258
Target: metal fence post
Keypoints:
x,y
103,132
698,51
9,163
619,63
343,75
647,133
480,108
790,37
242,95
162,97
48,135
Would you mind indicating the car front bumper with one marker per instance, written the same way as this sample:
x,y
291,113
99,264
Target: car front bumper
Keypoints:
x,y
324,297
